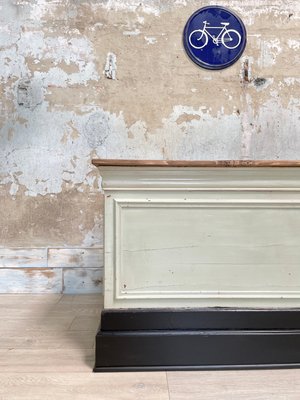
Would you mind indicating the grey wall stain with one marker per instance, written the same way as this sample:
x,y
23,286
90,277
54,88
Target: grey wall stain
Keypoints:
x,y
97,129
29,93
258,82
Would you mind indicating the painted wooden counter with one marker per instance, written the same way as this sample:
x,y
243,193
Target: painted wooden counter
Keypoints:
x,y
190,236
190,233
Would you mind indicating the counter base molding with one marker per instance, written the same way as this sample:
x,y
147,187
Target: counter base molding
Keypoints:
x,y
184,239
151,339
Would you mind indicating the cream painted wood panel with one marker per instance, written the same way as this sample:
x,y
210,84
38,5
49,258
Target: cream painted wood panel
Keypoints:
x,y
163,248
205,237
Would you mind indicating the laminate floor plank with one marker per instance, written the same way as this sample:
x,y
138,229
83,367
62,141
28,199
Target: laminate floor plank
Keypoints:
x,y
12,325
87,386
82,323
23,300
47,352
77,309
47,360
46,340
96,299
49,310
235,385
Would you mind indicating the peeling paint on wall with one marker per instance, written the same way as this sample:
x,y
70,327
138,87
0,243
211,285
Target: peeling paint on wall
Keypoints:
x,y
110,79
30,93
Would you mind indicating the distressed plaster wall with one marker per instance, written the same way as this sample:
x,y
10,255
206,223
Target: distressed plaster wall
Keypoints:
x,y
81,79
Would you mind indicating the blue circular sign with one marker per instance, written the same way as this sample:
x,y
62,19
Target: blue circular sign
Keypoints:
x,y
214,37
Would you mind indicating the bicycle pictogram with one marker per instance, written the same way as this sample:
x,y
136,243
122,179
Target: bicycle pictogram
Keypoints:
x,y
230,38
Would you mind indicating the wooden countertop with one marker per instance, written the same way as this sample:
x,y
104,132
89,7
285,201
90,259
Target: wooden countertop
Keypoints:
x,y
195,163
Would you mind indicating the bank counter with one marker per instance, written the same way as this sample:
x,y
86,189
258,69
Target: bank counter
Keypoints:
x,y
202,265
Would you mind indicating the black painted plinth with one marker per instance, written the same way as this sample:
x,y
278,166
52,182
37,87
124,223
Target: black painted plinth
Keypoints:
x,y
194,339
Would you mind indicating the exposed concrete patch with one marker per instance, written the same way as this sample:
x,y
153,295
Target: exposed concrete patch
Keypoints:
x,y
187,118
51,220
94,237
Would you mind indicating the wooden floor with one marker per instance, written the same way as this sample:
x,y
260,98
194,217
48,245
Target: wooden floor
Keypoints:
x,y
46,352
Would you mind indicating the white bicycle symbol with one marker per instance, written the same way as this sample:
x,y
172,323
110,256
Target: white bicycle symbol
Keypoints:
x,y
230,38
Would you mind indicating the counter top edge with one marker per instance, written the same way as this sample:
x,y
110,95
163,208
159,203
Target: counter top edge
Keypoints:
x,y
195,163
